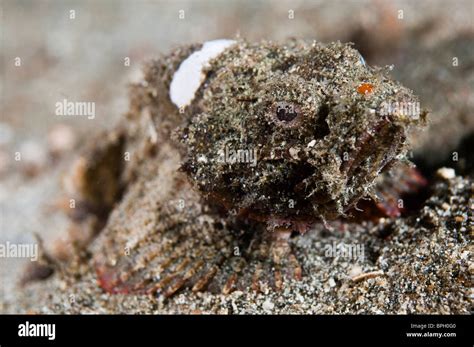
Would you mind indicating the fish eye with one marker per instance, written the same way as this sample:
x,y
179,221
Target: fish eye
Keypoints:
x,y
286,112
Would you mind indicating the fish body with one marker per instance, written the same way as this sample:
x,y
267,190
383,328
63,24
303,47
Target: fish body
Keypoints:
x,y
232,146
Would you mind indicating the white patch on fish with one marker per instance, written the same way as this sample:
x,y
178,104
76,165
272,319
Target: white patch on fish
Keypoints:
x,y
189,76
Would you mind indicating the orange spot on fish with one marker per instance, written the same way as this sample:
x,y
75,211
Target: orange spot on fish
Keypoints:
x,y
365,88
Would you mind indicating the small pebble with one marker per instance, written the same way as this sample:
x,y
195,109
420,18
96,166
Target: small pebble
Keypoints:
x,y
446,173
268,305
294,152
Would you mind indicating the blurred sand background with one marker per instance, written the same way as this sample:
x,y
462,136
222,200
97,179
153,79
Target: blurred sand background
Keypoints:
x,y
82,59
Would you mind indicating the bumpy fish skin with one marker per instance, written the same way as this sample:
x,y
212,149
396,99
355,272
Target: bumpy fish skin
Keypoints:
x,y
164,235
312,162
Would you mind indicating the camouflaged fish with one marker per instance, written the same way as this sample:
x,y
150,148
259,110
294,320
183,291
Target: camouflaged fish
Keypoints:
x,y
230,148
